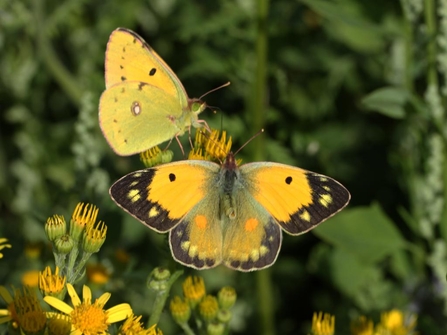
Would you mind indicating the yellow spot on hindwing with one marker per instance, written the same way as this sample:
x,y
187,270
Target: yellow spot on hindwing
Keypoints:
x,y
305,216
323,179
133,195
327,188
325,199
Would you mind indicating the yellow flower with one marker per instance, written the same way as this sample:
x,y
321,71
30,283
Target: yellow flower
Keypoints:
x,y
154,156
97,273
51,284
32,319
217,148
94,237
89,318
362,326
197,154
395,322
133,326
180,310
193,289
8,314
33,250
210,146
3,245
323,324
59,324
226,297
30,278
82,217
208,308
55,227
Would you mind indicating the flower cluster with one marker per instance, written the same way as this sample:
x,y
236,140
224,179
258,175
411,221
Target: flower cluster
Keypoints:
x,y
394,322
211,313
73,245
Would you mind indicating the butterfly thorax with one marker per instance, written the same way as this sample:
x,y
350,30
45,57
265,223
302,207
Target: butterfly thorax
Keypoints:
x,y
229,175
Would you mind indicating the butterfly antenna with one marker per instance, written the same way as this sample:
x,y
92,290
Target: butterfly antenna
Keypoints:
x,y
215,89
249,140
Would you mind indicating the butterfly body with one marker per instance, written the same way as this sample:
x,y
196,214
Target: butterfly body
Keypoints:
x,y
226,213
144,103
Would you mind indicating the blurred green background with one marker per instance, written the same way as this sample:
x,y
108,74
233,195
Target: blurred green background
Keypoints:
x,y
352,89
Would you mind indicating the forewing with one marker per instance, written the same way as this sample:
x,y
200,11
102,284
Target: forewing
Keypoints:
x,y
297,199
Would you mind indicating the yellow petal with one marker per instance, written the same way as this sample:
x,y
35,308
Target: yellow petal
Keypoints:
x,y
73,295
5,319
118,313
4,293
86,294
58,304
102,300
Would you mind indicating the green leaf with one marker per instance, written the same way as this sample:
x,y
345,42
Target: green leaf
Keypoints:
x,y
349,25
389,101
364,283
364,231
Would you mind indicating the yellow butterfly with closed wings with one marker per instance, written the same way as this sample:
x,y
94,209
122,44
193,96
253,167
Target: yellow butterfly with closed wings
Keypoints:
x,y
144,103
225,213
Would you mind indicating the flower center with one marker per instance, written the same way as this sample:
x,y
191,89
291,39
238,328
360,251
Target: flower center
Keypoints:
x,y
89,319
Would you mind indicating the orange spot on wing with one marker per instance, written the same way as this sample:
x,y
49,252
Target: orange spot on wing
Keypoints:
x,y
251,224
200,221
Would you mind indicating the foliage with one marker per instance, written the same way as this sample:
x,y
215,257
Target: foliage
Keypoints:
x,y
354,89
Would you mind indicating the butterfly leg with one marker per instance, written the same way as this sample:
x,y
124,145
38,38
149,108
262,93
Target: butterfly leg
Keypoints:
x,y
180,144
203,124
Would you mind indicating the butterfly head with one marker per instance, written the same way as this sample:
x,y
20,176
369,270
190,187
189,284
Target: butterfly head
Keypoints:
x,y
197,106
230,163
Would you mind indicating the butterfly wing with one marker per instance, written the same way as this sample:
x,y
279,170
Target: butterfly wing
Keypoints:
x,y
136,116
162,196
297,199
252,239
197,240
130,58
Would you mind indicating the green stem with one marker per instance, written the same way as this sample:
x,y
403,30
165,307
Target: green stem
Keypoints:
x,y
160,299
71,262
80,266
51,60
409,40
258,109
265,300
258,100
186,328
430,22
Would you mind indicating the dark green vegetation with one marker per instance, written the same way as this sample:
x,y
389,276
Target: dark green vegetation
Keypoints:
x,y
355,90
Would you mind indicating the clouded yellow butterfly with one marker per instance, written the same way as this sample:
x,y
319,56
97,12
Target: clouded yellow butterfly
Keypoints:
x,y
224,213
144,103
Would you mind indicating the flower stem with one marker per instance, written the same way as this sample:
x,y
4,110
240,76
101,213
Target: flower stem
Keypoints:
x,y
160,299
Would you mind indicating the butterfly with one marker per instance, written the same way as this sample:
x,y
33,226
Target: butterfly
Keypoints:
x,y
225,213
144,103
